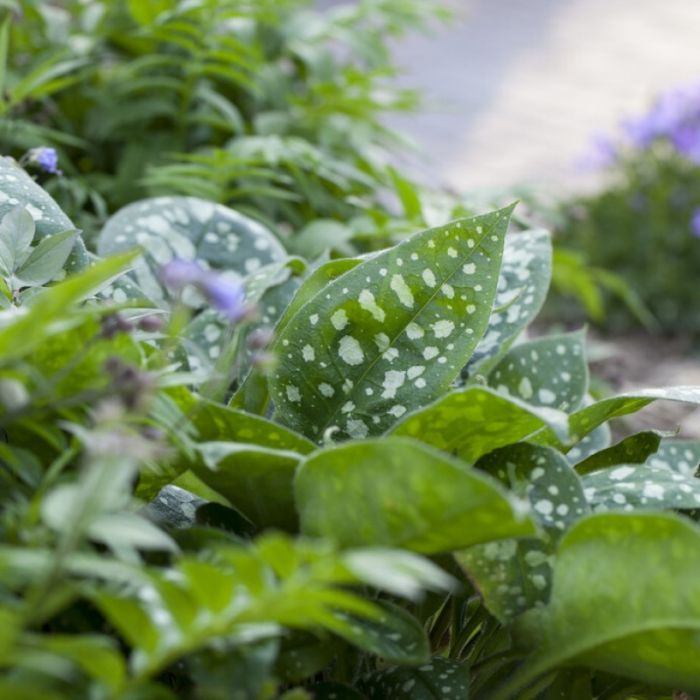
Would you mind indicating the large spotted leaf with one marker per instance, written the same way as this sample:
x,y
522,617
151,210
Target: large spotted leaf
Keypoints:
x,y
188,228
473,421
391,334
634,449
682,456
515,575
549,371
625,600
397,492
441,678
18,188
522,287
585,420
634,487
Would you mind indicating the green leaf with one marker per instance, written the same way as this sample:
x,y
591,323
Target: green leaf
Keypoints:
x,y
391,334
471,422
398,492
395,635
128,530
46,261
514,576
597,440
635,449
637,617
522,287
633,487
49,311
16,235
549,371
440,678
587,419
18,188
256,480
187,228
682,456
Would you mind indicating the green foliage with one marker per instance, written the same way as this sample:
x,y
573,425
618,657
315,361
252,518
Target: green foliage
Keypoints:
x,y
379,486
275,107
640,225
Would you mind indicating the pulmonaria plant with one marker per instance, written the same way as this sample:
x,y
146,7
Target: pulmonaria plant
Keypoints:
x,y
412,437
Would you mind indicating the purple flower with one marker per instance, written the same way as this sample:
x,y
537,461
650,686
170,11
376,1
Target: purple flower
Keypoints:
x,y
695,223
43,157
225,295
178,273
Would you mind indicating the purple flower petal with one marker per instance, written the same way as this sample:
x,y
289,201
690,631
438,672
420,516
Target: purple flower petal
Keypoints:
x,y
178,273
226,296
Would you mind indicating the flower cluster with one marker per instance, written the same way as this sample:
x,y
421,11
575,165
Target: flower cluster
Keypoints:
x,y
225,295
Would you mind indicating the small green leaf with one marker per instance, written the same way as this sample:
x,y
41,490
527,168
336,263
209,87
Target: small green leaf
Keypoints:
x,y
46,261
440,678
549,371
18,188
634,449
585,420
398,492
391,334
16,235
473,421
522,287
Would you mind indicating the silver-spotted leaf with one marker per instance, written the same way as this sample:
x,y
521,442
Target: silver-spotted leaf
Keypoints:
x,y
637,487
398,492
394,634
440,678
391,334
471,422
682,456
17,188
515,575
550,371
625,600
524,279
187,228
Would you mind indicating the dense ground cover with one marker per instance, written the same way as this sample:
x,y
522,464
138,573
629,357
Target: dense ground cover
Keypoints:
x,y
285,450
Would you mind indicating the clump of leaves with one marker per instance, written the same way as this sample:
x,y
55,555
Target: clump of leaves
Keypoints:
x,y
275,107
416,499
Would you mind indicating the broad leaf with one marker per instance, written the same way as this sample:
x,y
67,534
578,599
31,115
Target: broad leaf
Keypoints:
x,y
634,487
591,444
18,188
440,678
398,492
256,480
17,230
638,616
515,575
473,421
549,371
682,456
391,334
188,228
522,287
